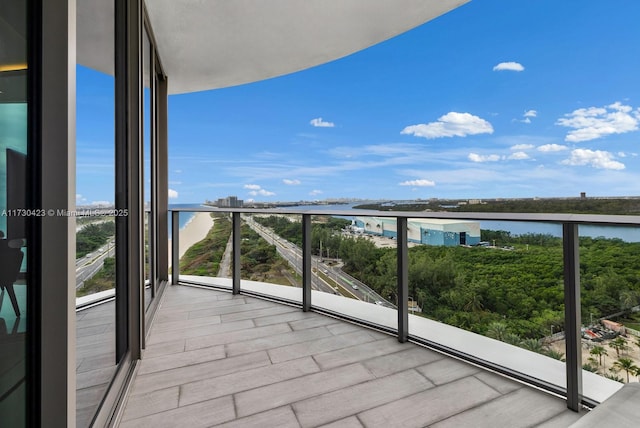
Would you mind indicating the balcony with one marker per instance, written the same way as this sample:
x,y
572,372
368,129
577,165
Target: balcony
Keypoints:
x,y
214,358
231,352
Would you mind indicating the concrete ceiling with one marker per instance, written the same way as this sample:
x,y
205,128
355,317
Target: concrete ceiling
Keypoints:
x,y
210,44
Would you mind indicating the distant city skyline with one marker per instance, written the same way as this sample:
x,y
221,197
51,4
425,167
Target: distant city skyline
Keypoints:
x,y
494,99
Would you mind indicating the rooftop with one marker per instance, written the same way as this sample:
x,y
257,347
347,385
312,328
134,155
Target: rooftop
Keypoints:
x,y
214,358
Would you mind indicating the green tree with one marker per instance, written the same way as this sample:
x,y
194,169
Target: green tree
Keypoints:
x,y
512,339
532,345
613,376
629,299
619,344
590,368
497,330
552,353
627,365
600,352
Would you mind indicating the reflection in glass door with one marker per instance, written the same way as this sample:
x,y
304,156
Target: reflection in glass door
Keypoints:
x,y
13,218
148,165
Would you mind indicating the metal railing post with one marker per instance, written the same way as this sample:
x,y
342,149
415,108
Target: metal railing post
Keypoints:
x,y
306,262
175,247
403,280
572,317
236,221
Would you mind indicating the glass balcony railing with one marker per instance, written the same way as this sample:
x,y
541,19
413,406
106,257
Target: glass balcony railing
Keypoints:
x,y
501,290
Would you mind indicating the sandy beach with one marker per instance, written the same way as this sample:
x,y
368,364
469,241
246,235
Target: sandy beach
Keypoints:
x,y
193,232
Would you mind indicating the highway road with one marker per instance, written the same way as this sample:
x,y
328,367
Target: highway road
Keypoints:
x,y
320,267
290,252
89,265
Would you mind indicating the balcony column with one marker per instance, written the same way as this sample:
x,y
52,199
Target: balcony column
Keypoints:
x,y
51,374
572,316
162,176
236,252
175,247
306,262
403,279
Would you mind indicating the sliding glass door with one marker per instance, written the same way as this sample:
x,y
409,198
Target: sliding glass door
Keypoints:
x,y
13,213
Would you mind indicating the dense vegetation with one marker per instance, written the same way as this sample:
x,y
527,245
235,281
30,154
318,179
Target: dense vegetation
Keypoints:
x,y
520,288
203,258
323,230
523,288
93,236
260,261
105,279
570,205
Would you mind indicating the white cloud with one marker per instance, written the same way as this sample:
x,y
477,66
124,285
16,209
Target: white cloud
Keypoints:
x,y
622,154
518,156
509,66
178,171
173,194
101,203
319,123
257,190
315,192
528,114
291,182
522,147
452,124
474,157
597,122
78,197
261,192
595,158
418,183
552,148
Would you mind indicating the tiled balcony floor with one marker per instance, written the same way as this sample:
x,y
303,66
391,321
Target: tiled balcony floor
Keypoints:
x,y
214,359
95,358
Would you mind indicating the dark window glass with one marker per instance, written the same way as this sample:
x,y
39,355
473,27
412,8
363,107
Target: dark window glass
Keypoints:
x,y
13,243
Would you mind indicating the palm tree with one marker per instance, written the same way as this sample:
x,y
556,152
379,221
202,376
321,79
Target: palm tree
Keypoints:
x,y
532,345
512,339
553,354
627,365
619,344
599,352
497,330
628,299
613,376
474,303
637,372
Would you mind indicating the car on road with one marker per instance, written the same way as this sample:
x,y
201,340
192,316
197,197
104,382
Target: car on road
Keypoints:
x,y
379,302
355,287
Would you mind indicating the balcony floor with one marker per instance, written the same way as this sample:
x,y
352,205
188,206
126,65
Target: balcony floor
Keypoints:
x,y
214,359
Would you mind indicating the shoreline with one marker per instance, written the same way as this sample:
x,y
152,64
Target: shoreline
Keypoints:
x,y
194,231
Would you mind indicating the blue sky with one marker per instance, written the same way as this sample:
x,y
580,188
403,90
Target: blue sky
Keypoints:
x,y
494,99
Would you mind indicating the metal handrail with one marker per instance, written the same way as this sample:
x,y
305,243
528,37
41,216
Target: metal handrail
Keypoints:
x,y
571,262
586,219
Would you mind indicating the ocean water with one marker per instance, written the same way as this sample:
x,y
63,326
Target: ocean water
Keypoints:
x,y
627,234
185,217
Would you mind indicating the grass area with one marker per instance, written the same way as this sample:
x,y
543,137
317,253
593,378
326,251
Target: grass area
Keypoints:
x,y
203,258
334,284
104,280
